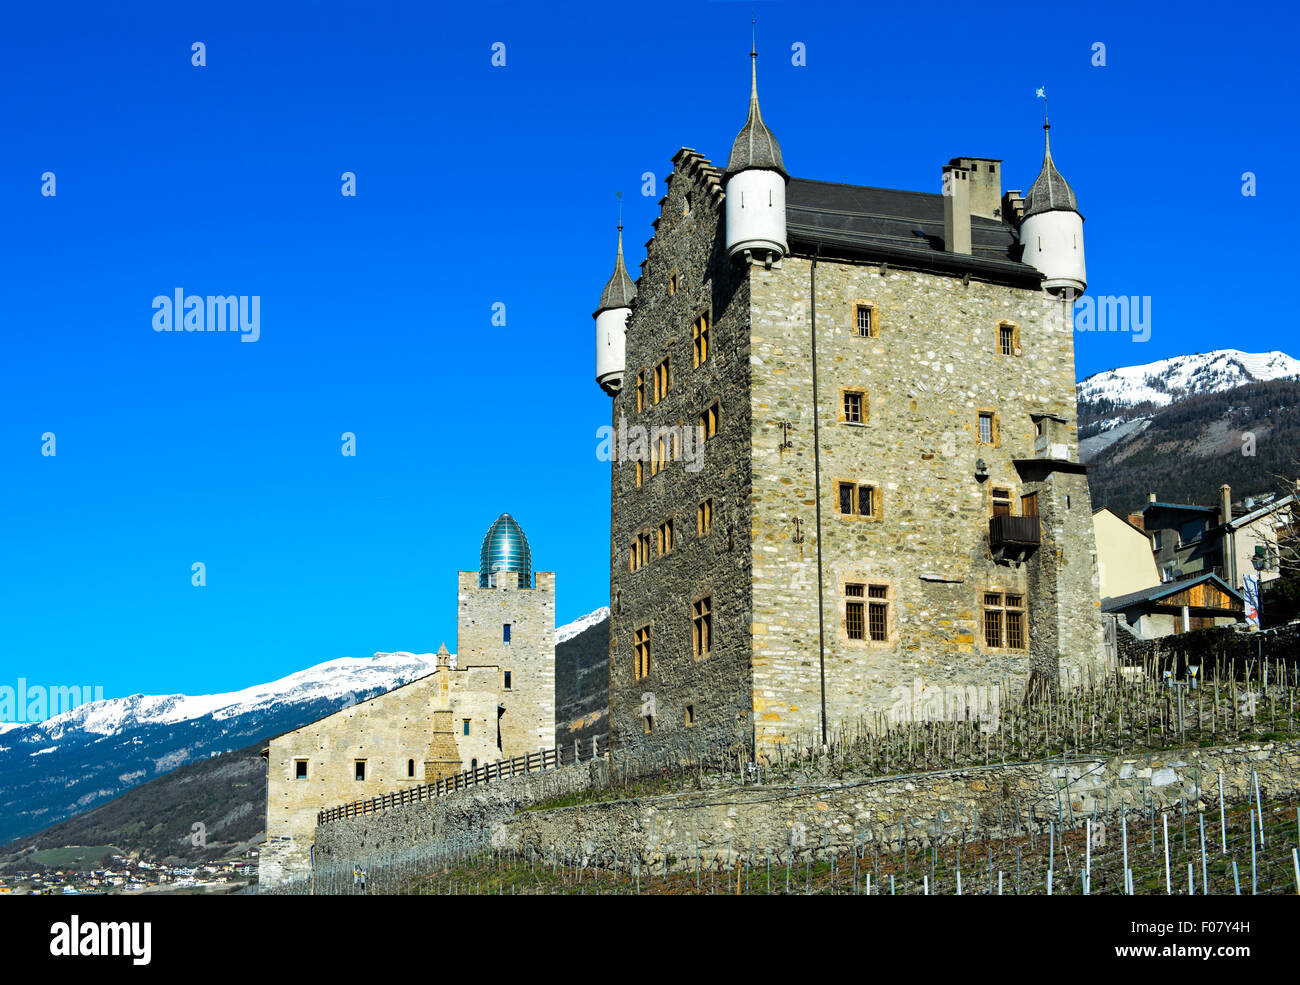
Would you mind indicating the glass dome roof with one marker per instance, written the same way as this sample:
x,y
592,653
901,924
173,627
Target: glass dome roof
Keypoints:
x,y
505,548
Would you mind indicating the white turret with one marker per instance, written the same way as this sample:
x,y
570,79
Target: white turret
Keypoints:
x,y
1051,231
755,185
611,324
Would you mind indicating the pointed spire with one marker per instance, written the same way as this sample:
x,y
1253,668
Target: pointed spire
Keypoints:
x,y
1050,192
620,290
755,146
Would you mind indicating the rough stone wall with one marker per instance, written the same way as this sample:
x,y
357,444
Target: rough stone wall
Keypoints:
x,y
933,365
528,723
819,817
469,810
661,593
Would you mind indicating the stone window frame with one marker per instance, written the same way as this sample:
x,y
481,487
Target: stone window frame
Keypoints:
x,y
410,768
866,580
704,314
1013,492
306,772
364,770
704,517
874,318
689,719
640,390
507,680
665,536
712,624
841,414
995,427
639,553
637,641
982,608
1016,350
704,421
658,395
877,503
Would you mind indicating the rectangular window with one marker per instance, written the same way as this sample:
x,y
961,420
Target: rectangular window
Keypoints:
x,y
640,390
709,420
359,769
1029,505
1001,502
704,518
640,552
672,283
690,715
642,641
1007,339
986,427
855,407
702,626
700,340
878,612
640,473
663,381
865,321
465,726
507,681
854,612
1004,620
410,768
858,500
505,632
649,722
665,537
300,769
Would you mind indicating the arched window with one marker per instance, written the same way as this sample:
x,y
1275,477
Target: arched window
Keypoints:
x,y
410,767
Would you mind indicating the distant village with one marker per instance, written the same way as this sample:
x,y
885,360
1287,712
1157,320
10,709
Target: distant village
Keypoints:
x,y
131,875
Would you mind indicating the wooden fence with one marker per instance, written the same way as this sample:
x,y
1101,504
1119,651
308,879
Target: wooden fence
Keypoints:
x,y
533,762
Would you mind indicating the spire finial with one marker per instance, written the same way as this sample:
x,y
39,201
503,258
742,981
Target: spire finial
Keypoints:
x,y
753,36
619,196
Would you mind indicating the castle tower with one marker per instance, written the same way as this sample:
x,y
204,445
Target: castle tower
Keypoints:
x,y
755,185
506,619
1051,231
611,321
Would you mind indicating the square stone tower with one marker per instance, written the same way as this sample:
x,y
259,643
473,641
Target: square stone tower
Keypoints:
x,y
886,496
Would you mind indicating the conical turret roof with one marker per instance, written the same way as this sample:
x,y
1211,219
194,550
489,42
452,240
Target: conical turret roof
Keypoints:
x,y
620,289
1049,192
755,147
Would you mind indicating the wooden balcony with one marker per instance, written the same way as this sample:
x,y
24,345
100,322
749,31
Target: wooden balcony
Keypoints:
x,y
1014,531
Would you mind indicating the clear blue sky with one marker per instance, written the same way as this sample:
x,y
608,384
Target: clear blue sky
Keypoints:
x,y
479,185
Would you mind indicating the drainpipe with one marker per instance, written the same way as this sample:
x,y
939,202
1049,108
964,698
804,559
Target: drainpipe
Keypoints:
x,y
817,480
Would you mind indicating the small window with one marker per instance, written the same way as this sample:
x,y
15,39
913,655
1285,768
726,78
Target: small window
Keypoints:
x,y
878,612
700,340
505,632
359,769
853,408
858,500
640,473
704,518
702,627
672,283
662,381
649,722
473,765
642,646
465,726
640,553
300,769
665,537
690,715
709,419
640,390
686,204
865,321
506,683
1004,620
410,768
1008,343
988,430
1001,501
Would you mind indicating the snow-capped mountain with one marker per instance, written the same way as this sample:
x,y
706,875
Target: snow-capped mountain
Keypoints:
x,y
1161,383
80,758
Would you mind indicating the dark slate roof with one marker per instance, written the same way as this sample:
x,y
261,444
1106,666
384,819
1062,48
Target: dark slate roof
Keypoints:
x,y
903,227
1157,592
620,290
1049,192
755,147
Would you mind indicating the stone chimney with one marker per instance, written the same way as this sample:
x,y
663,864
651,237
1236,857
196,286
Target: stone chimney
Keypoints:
x,y
1013,207
444,658
985,184
1151,497
1225,503
956,209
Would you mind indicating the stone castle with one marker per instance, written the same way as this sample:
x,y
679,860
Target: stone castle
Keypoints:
x,y
496,701
846,457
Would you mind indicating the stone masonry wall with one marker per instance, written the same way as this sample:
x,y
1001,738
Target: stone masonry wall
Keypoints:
x,y
932,366
819,817
660,595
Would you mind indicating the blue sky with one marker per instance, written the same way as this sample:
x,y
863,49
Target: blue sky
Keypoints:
x,y
479,185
